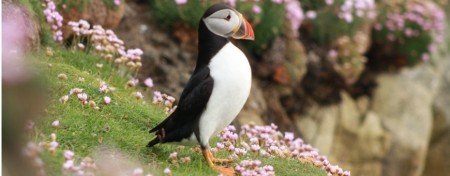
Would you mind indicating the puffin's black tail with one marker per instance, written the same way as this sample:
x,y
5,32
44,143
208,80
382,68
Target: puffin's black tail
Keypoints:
x,y
153,142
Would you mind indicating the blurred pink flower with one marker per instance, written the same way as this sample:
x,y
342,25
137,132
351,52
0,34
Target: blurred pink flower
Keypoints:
x,y
173,156
138,95
294,14
80,45
117,2
167,172
82,96
68,164
232,3
181,2
425,57
256,9
106,100
55,124
329,2
138,172
311,14
148,82
277,1
64,99
332,54
68,155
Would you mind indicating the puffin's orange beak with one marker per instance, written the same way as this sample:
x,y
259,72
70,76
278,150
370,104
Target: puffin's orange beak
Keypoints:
x,y
244,31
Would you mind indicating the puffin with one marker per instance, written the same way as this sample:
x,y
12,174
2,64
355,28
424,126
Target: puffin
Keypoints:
x,y
217,89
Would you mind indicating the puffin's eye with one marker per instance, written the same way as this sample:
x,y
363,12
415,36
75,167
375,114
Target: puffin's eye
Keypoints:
x,y
228,17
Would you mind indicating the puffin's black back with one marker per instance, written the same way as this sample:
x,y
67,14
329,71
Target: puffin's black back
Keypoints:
x,y
184,121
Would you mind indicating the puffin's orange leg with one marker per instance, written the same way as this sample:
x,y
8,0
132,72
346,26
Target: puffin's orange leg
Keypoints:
x,y
226,171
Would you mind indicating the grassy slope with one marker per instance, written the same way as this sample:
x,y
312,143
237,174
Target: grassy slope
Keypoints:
x,y
123,124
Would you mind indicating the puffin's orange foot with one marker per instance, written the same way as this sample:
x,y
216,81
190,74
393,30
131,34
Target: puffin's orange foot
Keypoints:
x,y
221,169
226,171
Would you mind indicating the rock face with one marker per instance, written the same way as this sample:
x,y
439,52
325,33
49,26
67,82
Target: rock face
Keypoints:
x,y
438,158
388,135
353,138
403,103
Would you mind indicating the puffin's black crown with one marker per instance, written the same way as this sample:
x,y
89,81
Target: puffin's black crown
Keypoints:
x,y
215,8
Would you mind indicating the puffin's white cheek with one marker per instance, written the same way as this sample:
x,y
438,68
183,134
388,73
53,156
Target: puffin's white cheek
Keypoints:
x,y
219,26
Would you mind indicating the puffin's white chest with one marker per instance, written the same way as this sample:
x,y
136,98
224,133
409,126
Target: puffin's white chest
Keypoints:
x,y
232,82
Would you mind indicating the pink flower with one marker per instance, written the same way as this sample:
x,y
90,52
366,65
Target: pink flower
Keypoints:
x,y
68,164
425,57
289,136
148,82
53,146
277,1
80,45
106,100
232,3
55,124
173,156
157,97
132,82
117,2
329,2
64,99
256,9
167,172
294,14
181,2
332,54
138,172
103,87
311,14
68,155
82,96
220,145
138,95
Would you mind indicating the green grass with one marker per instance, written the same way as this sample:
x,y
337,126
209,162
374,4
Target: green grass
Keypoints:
x,y
122,125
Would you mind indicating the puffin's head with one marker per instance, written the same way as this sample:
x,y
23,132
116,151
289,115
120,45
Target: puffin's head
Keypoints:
x,y
225,21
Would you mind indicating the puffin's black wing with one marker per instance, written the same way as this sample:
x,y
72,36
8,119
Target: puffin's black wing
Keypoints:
x,y
184,120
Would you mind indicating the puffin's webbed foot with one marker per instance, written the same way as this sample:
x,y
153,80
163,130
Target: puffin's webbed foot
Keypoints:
x,y
212,160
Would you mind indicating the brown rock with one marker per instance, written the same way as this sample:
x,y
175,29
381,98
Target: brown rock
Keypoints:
x,y
354,141
403,102
438,157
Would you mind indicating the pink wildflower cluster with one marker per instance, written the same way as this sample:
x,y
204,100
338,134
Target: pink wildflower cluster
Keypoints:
x,y
54,19
429,18
294,13
167,100
252,167
268,142
85,99
360,8
107,45
86,166
417,19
